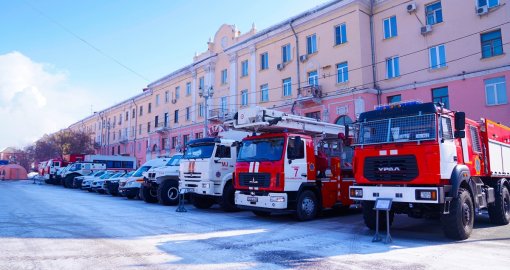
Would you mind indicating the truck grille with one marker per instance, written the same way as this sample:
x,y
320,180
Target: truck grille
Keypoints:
x,y
391,168
255,179
152,175
195,175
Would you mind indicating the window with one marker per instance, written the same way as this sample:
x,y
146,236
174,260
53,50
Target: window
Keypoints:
x,y
139,129
114,120
311,44
392,67
148,127
342,74
176,116
394,99
223,104
343,120
264,61
114,135
133,114
139,146
156,121
491,44
441,95
157,100
390,27
188,89
475,139
313,78
201,83
340,34
222,151
201,109
287,87
264,92
314,115
495,91
199,135
437,57
244,98
164,143
120,119
286,57
446,128
244,68
174,142
127,115
167,96
188,113
177,92
434,13
149,110
224,76
165,120
488,3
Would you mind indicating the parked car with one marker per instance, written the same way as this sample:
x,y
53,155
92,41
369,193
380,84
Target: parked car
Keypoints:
x,y
87,183
98,181
112,185
78,180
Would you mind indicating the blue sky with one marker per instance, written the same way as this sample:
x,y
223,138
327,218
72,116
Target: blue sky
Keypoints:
x,y
152,37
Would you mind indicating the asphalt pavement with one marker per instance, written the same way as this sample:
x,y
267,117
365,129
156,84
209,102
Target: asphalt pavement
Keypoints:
x,y
49,227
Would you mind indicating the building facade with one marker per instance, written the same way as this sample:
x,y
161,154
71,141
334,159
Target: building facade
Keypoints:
x,y
332,62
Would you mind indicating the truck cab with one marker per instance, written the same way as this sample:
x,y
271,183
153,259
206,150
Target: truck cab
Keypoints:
x,y
80,169
206,171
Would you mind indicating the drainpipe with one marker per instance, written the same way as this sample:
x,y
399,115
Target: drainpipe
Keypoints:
x,y
372,48
136,126
298,64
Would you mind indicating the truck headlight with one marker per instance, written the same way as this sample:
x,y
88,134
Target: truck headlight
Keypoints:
x,y
277,199
356,192
427,195
205,185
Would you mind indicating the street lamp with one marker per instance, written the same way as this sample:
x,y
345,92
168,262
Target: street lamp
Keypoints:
x,y
206,94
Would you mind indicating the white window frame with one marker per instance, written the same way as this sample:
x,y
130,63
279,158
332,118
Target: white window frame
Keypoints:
x,y
311,44
264,92
437,57
224,76
286,53
313,79
264,61
223,104
342,37
177,92
344,70
392,60
287,87
494,88
188,88
244,68
244,97
390,34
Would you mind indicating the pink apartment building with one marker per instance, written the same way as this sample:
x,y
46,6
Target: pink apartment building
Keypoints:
x,y
332,62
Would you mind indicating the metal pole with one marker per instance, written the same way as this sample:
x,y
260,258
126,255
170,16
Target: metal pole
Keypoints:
x,y
206,97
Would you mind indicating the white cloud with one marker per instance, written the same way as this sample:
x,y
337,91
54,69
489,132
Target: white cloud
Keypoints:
x,y
35,99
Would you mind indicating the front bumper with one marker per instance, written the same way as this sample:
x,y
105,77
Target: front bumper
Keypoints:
x,y
130,191
398,194
202,187
269,201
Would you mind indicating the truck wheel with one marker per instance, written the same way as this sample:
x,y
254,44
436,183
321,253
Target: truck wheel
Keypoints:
x,y
69,182
370,216
201,202
499,211
64,181
458,224
228,199
168,193
148,194
261,213
307,206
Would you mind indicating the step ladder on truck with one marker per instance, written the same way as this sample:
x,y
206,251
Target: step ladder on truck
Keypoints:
x,y
432,162
291,163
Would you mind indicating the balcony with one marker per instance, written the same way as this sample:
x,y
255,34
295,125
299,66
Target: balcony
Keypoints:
x,y
97,145
310,93
123,140
220,115
162,127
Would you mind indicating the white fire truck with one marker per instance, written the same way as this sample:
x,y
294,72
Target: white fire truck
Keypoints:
x,y
291,163
431,161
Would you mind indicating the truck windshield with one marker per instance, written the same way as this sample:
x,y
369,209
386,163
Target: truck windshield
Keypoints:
x,y
75,167
402,129
141,170
261,150
199,151
174,161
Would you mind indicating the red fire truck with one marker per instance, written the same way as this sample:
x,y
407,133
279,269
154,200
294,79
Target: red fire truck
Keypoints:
x,y
432,162
291,163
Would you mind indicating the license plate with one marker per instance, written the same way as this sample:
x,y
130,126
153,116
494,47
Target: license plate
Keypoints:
x,y
253,199
186,190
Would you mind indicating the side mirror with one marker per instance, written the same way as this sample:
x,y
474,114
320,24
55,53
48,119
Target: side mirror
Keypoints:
x,y
460,121
459,134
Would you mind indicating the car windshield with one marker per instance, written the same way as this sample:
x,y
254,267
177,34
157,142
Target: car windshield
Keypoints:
x,y
174,161
97,174
141,170
75,167
261,150
106,175
195,151
117,175
128,174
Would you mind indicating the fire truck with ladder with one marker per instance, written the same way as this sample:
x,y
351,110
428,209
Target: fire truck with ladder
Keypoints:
x,y
432,162
291,163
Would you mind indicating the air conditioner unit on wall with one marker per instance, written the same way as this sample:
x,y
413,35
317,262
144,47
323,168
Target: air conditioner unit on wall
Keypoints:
x,y
482,10
426,29
303,58
280,66
411,7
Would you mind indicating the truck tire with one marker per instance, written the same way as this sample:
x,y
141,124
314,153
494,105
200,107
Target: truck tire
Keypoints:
x,y
69,181
168,192
201,202
499,211
307,206
458,224
64,181
228,198
148,194
370,216
261,213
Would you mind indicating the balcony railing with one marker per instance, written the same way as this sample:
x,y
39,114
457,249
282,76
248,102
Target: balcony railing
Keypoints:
x,y
311,92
